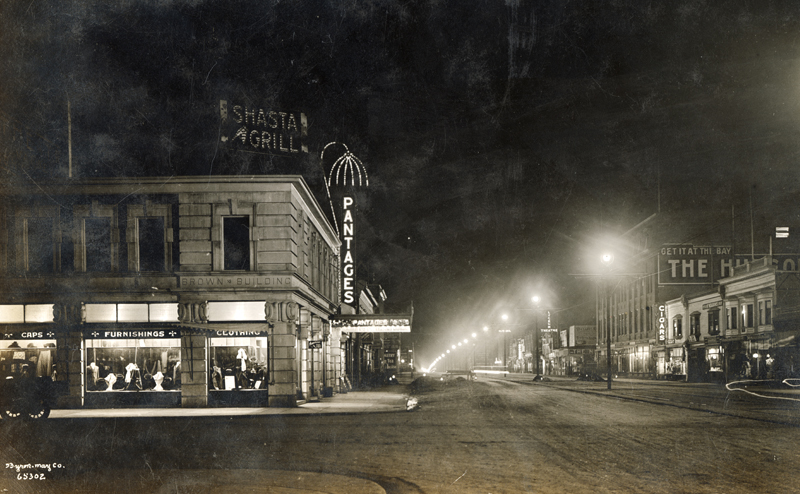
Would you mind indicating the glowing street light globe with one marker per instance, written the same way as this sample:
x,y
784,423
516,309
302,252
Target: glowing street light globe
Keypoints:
x,y
607,258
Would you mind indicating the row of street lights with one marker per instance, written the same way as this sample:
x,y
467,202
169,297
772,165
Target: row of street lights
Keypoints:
x,y
505,331
607,259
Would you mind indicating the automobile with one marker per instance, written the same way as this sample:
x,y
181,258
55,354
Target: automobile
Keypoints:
x,y
453,375
29,397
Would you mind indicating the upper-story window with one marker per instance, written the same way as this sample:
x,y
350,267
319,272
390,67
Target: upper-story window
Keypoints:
x,y
677,327
764,312
747,316
149,237
713,322
96,237
152,250
236,243
733,316
694,323
39,240
97,244
768,312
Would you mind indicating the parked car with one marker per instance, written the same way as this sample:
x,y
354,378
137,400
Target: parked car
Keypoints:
x,y
29,397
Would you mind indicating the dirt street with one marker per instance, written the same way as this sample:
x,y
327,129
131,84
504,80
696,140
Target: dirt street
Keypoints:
x,y
483,437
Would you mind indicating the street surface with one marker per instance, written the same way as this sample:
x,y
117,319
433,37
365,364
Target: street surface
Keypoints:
x,y
490,436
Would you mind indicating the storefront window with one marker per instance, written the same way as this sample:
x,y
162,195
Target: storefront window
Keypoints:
x,y
675,365
33,358
118,361
714,360
238,362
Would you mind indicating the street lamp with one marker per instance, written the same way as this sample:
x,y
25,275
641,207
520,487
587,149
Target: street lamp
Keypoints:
x,y
607,259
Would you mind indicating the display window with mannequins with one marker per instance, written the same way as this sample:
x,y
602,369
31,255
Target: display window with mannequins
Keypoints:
x,y
238,363
149,364
37,357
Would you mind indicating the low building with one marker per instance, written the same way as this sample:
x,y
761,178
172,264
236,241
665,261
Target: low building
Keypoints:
x,y
194,291
746,329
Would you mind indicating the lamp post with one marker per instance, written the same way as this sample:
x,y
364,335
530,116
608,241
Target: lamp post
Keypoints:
x,y
537,335
505,344
607,259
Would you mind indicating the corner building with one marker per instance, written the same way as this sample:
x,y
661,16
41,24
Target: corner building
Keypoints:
x,y
194,291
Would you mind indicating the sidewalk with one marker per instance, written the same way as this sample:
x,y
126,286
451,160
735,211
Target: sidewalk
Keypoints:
x,y
386,399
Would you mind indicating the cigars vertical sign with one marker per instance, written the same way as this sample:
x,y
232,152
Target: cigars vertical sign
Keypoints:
x,y
248,127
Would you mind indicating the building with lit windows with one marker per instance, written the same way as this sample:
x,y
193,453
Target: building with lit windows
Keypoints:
x,y
680,303
194,291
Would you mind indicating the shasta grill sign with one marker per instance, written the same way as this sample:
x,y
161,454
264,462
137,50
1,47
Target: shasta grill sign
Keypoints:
x,y
248,127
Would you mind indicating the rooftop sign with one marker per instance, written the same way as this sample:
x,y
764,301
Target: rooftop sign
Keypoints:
x,y
262,130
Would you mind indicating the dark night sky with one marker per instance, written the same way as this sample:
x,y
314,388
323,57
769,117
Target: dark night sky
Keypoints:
x,y
502,139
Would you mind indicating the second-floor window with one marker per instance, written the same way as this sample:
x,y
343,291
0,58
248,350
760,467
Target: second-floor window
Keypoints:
x,y
152,251
713,322
768,312
97,241
694,322
747,316
40,245
236,242
765,312
677,328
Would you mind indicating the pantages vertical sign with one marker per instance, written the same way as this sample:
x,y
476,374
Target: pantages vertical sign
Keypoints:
x,y
248,127
348,251
347,173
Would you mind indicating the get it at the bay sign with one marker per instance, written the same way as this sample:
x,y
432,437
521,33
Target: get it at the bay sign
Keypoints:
x,y
687,264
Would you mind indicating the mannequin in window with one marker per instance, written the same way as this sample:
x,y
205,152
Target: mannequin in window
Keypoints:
x,y
216,375
44,366
133,378
111,378
158,377
92,375
241,377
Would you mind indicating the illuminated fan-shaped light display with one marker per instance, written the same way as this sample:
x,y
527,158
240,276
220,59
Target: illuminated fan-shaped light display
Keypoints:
x,y
347,164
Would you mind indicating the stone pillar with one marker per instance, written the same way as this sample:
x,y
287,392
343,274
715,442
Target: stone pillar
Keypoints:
x,y
194,370
70,352
303,357
283,318
194,356
334,341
